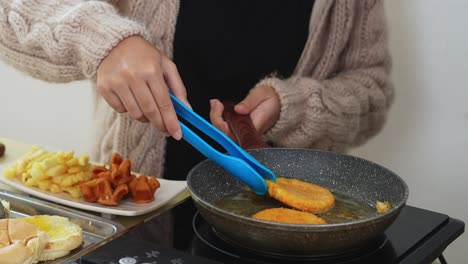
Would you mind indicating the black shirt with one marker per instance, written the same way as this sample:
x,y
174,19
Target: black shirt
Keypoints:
x,y
222,48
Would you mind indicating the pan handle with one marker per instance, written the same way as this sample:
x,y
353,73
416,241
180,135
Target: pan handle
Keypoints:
x,y
242,128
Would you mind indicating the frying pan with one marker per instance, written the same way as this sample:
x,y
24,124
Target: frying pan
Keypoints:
x,y
354,177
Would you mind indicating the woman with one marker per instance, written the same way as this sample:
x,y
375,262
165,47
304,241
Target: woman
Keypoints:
x,y
311,74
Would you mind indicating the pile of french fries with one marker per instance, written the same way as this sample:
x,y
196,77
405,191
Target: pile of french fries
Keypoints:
x,y
61,171
51,171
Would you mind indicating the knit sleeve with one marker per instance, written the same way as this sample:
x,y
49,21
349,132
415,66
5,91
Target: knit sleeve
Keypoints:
x,y
346,108
61,41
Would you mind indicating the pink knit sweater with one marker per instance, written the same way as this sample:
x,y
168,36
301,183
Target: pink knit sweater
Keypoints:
x,y
337,98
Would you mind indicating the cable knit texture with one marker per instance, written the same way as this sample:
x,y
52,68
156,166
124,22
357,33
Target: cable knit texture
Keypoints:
x,y
337,98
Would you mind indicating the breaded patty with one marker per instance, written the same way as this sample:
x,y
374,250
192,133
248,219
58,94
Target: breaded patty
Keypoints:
x,y
291,216
301,195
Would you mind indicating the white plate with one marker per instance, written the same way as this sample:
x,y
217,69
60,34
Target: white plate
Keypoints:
x,y
167,191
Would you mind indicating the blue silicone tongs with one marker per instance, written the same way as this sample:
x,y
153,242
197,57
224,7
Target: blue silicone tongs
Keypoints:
x,y
239,163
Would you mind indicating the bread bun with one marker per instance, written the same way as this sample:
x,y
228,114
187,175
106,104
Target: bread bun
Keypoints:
x,y
20,242
63,235
51,255
37,238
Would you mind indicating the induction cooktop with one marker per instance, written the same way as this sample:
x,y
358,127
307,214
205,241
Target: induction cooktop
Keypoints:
x,y
416,236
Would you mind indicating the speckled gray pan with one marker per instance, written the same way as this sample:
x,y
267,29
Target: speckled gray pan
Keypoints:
x,y
352,176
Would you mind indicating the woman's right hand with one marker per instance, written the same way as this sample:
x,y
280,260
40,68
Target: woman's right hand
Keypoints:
x,y
133,77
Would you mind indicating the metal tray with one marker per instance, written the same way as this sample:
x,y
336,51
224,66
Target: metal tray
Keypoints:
x,y
95,229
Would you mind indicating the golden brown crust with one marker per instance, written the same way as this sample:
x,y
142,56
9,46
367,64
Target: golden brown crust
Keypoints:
x,y
290,216
301,195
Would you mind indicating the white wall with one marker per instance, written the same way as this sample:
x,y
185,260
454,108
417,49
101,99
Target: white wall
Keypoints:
x,y
50,114
426,137
425,140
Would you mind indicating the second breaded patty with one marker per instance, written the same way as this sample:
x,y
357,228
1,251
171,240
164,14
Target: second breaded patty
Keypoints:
x,y
290,216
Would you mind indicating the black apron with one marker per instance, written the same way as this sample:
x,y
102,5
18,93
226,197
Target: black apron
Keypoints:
x,y
222,49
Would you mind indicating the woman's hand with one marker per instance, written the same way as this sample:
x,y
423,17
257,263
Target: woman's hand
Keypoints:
x,y
262,104
133,77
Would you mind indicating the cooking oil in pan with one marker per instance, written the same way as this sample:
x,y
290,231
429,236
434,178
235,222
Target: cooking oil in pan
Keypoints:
x,y
346,209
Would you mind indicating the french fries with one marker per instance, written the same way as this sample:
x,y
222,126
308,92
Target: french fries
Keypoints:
x,y
61,171
51,171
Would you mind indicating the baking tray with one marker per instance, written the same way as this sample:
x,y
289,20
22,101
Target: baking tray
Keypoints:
x,y
95,229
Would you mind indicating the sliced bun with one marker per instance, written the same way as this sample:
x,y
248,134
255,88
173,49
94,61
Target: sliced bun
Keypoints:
x,y
51,255
22,242
64,236
16,254
4,237
37,238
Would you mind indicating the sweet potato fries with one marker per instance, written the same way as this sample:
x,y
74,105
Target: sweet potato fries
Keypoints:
x,y
109,186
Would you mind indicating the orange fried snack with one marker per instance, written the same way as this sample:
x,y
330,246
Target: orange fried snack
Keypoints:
x,y
143,193
98,169
120,174
132,184
153,184
104,190
301,195
119,192
109,186
290,216
88,191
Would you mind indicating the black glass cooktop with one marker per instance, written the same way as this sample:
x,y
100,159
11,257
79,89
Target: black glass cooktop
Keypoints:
x,y
416,236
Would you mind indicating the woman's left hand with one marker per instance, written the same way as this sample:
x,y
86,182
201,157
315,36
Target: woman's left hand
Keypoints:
x,y
262,104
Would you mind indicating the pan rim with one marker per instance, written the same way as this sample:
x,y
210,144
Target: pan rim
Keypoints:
x,y
304,227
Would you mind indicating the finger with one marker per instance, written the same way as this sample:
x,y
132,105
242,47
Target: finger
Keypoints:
x,y
128,100
216,118
106,91
259,119
266,114
253,99
114,101
147,104
166,109
172,77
